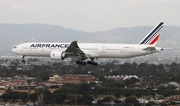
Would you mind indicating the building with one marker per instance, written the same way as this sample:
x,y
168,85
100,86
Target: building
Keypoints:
x,y
121,77
175,97
70,78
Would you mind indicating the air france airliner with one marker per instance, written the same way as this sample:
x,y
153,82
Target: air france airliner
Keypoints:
x,y
85,53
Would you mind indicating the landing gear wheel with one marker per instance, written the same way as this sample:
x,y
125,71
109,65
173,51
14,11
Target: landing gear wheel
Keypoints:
x,y
84,63
23,61
92,62
81,63
95,64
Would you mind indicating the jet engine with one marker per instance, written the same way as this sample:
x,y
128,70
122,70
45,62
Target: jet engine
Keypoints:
x,y
57,55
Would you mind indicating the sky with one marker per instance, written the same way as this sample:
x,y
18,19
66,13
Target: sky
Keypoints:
x,y
91,15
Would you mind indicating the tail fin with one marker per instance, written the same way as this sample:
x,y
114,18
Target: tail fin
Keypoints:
x,y
152,37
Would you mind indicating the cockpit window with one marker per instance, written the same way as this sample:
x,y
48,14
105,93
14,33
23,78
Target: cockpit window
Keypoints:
x,y
15,47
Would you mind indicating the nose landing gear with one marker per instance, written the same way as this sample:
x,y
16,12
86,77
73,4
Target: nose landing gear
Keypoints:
x,y
23,61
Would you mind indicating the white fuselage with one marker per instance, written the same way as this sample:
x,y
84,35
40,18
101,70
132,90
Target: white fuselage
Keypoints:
x,y
91,50
81,51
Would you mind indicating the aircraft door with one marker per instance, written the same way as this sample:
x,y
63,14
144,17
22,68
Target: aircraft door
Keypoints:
x,y
103,49
131,51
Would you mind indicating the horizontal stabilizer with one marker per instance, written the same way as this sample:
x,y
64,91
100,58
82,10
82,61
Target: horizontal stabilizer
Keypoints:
x,y
149,49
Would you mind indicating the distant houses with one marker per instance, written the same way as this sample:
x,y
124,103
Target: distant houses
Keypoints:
x,y
121,77
74,79
20,82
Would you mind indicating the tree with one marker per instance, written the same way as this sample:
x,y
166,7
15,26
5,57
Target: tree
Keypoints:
x,y
44,76
150,103
33,97
117,101
24,97
14,96
86,99
58,93
59,100
82,88
50,98
107,99
92,84
71,99
47,99
40,93
117,94
131,81
47,92
29,89
95,96
5,97
99,102
131,99
101,78
54,86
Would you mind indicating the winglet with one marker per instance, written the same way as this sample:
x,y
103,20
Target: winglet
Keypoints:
x,y
152,37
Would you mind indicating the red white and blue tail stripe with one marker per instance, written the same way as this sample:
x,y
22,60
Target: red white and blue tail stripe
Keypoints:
x,y
152,37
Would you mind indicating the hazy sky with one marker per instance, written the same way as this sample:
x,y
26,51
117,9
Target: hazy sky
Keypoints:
x,y
91,15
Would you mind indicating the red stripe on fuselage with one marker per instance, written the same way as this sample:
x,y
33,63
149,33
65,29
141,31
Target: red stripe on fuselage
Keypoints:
x,y
154,40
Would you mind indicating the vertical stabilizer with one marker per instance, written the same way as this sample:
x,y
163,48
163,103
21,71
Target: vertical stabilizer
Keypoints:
x,y
152,37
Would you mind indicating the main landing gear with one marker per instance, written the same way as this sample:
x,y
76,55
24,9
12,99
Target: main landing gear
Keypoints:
x,y
88,62
23,61
92,63
81,63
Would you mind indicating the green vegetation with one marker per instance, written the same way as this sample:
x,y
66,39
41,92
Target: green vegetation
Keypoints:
x,y
144,70
151,76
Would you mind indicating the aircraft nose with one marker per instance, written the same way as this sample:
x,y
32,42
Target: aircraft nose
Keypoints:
x,y
14,50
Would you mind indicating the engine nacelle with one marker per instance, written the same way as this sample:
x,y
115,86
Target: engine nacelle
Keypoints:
x,y
57,55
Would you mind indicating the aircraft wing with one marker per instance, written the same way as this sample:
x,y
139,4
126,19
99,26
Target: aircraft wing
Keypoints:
x,y
74,51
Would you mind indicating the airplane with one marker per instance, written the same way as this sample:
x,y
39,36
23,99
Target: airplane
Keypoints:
x,y
85,53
